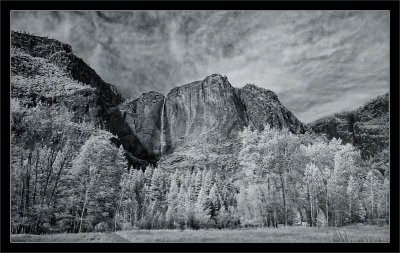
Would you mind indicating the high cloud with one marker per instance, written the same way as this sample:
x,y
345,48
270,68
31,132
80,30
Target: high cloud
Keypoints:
x,y
318,62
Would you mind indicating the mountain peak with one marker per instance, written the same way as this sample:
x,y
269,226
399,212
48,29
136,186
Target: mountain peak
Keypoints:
x,y
38,46
216,80
259,90
152,94
218,77
210,80
263,107
149,97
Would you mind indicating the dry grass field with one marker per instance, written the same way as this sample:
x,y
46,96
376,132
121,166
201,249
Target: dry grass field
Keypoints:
x,y
363,233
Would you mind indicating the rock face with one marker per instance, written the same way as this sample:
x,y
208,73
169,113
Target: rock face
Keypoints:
x,y
46,71
214,106
210,105
61,55
366,128
143,115
263,107
152,125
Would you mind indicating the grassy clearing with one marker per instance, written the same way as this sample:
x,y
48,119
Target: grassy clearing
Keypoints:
x,y
262,235
82,237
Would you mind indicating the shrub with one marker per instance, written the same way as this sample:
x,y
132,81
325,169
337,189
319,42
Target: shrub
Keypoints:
x,y
101,227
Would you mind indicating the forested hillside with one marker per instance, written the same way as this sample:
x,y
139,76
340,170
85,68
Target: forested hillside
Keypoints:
x,y
57,107
206,155
366,128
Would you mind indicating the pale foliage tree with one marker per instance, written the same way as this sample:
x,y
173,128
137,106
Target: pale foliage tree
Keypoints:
x,y
98,169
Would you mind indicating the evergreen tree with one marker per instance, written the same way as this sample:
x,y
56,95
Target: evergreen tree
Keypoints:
x,y
148,174
198,183
203,210
215,200
172,200
208,182
156,184
181,208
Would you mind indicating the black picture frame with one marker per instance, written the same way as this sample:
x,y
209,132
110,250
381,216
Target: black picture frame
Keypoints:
x,y
392,6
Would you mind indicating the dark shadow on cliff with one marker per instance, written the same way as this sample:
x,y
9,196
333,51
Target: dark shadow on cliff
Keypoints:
x,y
138,157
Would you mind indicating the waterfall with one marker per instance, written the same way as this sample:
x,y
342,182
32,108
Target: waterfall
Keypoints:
x,y
162,137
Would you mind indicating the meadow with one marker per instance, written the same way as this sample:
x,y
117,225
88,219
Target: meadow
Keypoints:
x,y
353,233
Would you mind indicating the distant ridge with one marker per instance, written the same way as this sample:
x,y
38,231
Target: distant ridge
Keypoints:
x,y
366,127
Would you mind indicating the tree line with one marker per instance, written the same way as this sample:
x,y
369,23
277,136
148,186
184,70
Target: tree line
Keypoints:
x,y
303,178
66,176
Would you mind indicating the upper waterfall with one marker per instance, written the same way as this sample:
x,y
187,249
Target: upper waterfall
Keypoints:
x,y
162,137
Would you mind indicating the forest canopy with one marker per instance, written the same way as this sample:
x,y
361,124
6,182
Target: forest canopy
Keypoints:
x,y
67,176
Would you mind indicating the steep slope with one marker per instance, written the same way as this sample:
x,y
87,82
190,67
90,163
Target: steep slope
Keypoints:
x,y
143,115
151,125
60,54
263,107
46,72
366,127
213,106
202,120
201,107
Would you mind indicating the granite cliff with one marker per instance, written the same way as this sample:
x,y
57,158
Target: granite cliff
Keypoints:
x,y
366,127
214,105
46,71
153,124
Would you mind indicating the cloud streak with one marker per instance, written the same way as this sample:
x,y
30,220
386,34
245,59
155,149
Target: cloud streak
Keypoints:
x,y
318,62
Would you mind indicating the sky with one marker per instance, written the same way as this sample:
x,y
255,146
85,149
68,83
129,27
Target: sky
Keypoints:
x,y
317,62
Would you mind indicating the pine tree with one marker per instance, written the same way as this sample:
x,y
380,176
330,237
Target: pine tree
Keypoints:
x,y
172,200
223,218
202,210
208,182
215,200
198,183
190,212
156,184
181,207
148,173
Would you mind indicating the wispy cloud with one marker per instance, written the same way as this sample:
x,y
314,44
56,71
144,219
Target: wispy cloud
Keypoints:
x,y
318,62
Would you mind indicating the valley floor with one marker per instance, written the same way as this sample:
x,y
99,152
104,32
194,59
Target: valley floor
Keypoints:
x,y
363,233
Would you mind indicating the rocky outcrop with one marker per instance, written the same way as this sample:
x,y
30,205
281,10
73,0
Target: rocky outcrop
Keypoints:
x,y
38,46
366,128
263,107
61,55
46,71
143,116
210,105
